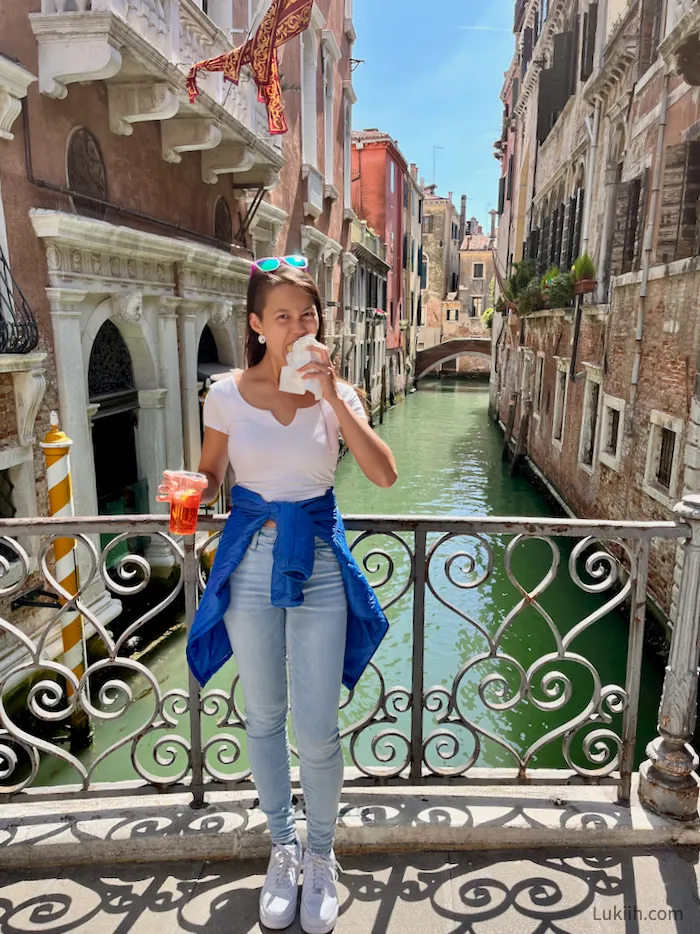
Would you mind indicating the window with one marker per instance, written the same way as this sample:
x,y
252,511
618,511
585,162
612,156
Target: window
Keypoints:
x,y
477,305
678,225
309,59
392,180
328,61
590,25
86,173
663,458
589,424
347,157
628,235
612,421
420,211
478,271
560,394
428,224
405,250
539,382
448,314
223,225
405,193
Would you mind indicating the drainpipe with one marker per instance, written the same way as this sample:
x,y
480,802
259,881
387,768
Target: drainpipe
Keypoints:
x,y
649,237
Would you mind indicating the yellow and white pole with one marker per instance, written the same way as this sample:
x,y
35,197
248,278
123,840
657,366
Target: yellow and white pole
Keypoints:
x,y
56,447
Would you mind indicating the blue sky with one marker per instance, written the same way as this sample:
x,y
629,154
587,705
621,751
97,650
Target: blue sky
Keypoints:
x,y
431,76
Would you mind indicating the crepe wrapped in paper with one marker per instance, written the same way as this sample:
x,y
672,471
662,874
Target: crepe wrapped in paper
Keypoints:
x,y
300,354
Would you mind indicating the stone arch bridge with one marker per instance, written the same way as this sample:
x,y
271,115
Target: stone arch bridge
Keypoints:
x,y
432,357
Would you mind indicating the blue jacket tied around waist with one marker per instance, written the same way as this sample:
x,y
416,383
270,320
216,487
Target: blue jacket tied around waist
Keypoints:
x,y
298,524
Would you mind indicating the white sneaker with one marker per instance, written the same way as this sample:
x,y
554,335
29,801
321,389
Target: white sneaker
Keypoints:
x,y
319,896
280,893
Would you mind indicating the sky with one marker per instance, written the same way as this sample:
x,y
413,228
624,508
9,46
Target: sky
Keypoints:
x,y
432,76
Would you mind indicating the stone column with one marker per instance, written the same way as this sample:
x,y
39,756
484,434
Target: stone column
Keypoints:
x,y
152,449
668,784
76,422
187,322
152,454
170,380
72,394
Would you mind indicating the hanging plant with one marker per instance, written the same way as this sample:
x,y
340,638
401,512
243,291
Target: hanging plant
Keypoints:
x,y
583,273
560,291
531,298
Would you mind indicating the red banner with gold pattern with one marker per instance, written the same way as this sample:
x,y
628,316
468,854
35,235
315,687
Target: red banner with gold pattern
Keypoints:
x,y
283,21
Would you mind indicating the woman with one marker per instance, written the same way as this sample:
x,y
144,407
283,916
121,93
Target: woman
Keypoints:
x,y
284,591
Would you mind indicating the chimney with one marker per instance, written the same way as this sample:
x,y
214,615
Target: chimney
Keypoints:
x,y
449,196
492,235
414,171
462,219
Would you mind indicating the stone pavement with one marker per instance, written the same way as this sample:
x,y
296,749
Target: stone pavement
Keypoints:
x,y
572,891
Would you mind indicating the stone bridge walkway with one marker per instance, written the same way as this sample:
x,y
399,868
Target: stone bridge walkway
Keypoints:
x,y
617,891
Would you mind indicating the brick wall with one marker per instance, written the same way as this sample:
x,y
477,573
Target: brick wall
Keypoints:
x,y
667,373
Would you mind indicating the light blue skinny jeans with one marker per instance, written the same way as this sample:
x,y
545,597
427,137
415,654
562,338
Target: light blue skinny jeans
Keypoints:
x,y
309,640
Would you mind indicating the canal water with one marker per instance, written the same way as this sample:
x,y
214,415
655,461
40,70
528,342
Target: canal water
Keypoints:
x,y
448,454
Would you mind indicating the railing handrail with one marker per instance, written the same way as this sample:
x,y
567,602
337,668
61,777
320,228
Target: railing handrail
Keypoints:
x,y
494,525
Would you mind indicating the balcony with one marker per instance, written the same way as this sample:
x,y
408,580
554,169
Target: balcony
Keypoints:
x,y
414,779
314,184
364,238
681,46
18,329
143,50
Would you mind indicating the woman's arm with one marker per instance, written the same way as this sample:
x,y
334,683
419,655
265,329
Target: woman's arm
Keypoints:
x,y
213,462
371,453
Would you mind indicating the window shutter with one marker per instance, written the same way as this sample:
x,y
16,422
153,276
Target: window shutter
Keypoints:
x,y
635,190
567,233
649,33
641,219
557,258
618,242
515,93
578,222
527,50
681,188
544,245
562,58
501,193
590,27
544,105
533,243
509,183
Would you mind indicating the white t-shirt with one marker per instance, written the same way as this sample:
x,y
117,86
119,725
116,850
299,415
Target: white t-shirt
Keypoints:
x,y
287,463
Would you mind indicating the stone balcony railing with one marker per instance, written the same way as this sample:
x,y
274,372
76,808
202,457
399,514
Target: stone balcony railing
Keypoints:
x,y
143,50
192,740
365,236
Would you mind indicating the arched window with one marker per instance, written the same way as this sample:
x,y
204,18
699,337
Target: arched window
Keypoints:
x,y
110,370
86,172
223,225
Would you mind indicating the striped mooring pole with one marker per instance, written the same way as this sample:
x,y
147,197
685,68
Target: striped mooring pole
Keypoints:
x,y
56,447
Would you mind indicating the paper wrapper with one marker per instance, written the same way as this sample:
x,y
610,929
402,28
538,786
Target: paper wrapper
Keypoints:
x,y
300,354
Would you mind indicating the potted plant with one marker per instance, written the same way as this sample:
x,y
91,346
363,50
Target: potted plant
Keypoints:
x,y
531,298
583,273
560,291
545,283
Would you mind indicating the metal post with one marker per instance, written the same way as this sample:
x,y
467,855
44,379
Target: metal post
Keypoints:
x,y
196,754
418,663
668,784
56,447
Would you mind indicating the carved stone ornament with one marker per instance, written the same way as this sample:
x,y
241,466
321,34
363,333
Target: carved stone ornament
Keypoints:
x,y
220,312
128,307
29,389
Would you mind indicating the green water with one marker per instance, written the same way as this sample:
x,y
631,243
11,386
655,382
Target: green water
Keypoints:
x,y
448,456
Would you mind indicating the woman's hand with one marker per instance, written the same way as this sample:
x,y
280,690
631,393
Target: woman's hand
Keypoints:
x,y
166,488
321,370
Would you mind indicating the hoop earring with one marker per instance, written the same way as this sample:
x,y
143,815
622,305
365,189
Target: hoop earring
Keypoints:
x,y
261,338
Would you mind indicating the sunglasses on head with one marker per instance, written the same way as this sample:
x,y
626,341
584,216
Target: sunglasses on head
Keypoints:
x,y
273,263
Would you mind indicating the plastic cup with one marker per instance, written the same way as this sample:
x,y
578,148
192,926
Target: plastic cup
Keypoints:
x,y
184,495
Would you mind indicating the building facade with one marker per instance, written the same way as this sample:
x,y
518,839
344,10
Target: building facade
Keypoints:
x,y
379,196
128,221
413,266
440,266
600,157
366,355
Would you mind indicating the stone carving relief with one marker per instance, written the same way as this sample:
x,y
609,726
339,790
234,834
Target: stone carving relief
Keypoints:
x,y
29,389
128,307
220,312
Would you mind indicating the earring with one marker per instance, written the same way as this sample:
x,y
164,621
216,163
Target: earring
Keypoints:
x,y
261,338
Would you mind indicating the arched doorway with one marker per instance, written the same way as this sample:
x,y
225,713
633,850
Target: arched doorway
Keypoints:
x,y
111,385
